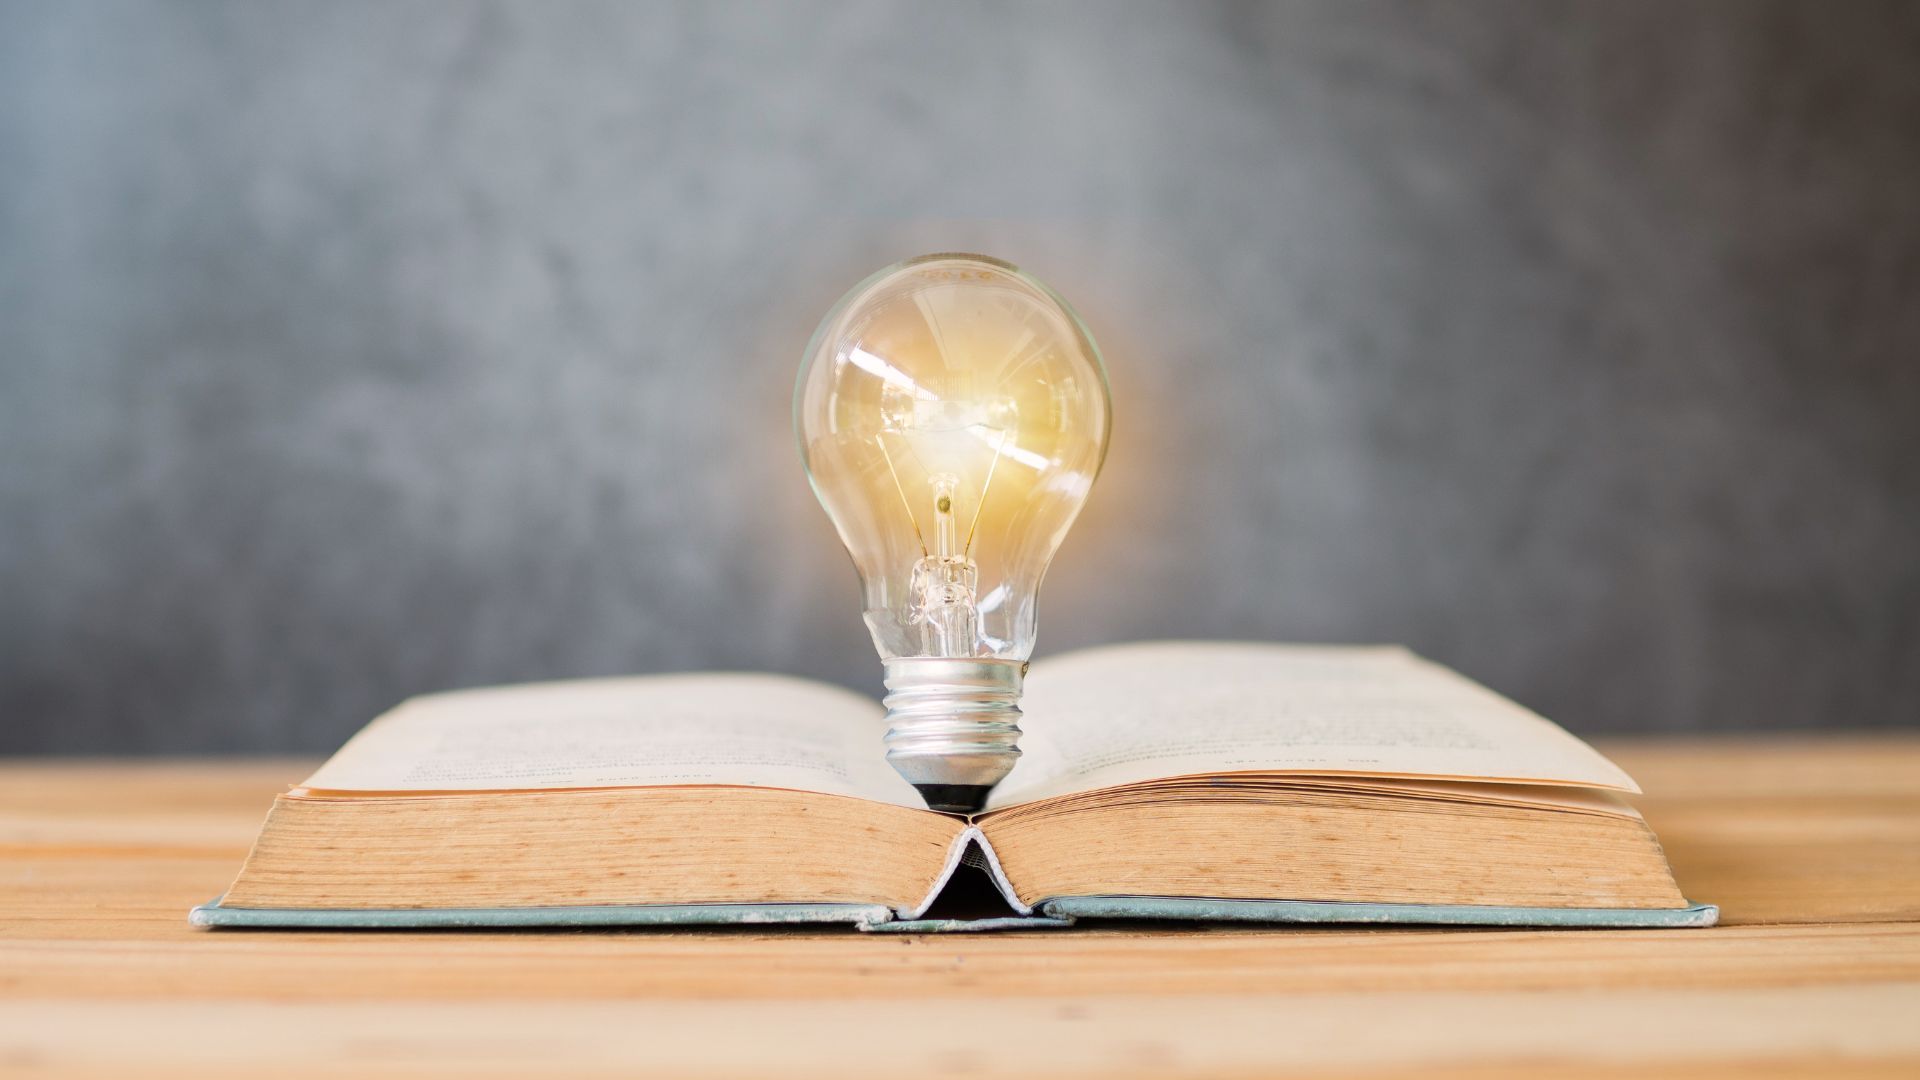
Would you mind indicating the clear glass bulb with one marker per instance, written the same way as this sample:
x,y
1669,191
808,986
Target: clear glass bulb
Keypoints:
x,y
952,414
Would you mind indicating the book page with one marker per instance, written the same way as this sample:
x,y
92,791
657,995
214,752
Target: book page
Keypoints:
x,y
1132,713
731,729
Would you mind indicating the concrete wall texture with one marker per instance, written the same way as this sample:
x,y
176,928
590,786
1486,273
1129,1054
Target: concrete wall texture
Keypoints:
x,y
354,350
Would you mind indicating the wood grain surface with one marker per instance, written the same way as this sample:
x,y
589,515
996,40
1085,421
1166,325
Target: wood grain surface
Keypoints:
x,y
1810,846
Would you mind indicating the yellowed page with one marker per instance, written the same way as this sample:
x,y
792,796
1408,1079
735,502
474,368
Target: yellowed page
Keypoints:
x,y
1552,796
1131,713
735,729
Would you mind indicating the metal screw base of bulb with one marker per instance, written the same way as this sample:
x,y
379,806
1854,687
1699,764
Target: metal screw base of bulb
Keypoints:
x,y
953,726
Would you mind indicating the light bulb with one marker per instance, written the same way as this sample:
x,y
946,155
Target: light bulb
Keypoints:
x,y
952,413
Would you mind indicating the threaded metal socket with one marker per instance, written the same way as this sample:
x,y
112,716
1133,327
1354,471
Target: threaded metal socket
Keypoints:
x,y
953,725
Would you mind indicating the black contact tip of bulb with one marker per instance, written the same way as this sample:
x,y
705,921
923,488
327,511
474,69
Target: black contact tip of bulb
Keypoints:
x,y
954,798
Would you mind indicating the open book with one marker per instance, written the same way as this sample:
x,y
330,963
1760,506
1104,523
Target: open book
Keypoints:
x,y
1176,780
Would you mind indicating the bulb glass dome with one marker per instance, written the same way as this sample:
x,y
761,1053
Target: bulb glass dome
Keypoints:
x,y
952,413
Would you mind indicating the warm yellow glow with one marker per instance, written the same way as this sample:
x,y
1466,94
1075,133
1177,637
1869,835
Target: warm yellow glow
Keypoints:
x,y
953,409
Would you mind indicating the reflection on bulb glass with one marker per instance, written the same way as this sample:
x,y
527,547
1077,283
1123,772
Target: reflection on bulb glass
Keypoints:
x,y
952,414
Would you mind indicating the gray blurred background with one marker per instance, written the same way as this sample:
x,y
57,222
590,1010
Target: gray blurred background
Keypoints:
x,y
353,350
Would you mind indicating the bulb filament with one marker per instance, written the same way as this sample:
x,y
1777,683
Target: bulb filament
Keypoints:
x,y
944,583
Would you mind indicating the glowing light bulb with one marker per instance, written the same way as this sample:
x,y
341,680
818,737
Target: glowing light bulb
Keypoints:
x,y
952,414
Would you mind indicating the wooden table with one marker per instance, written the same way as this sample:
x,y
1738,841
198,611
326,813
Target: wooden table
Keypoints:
x,y
1811,847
